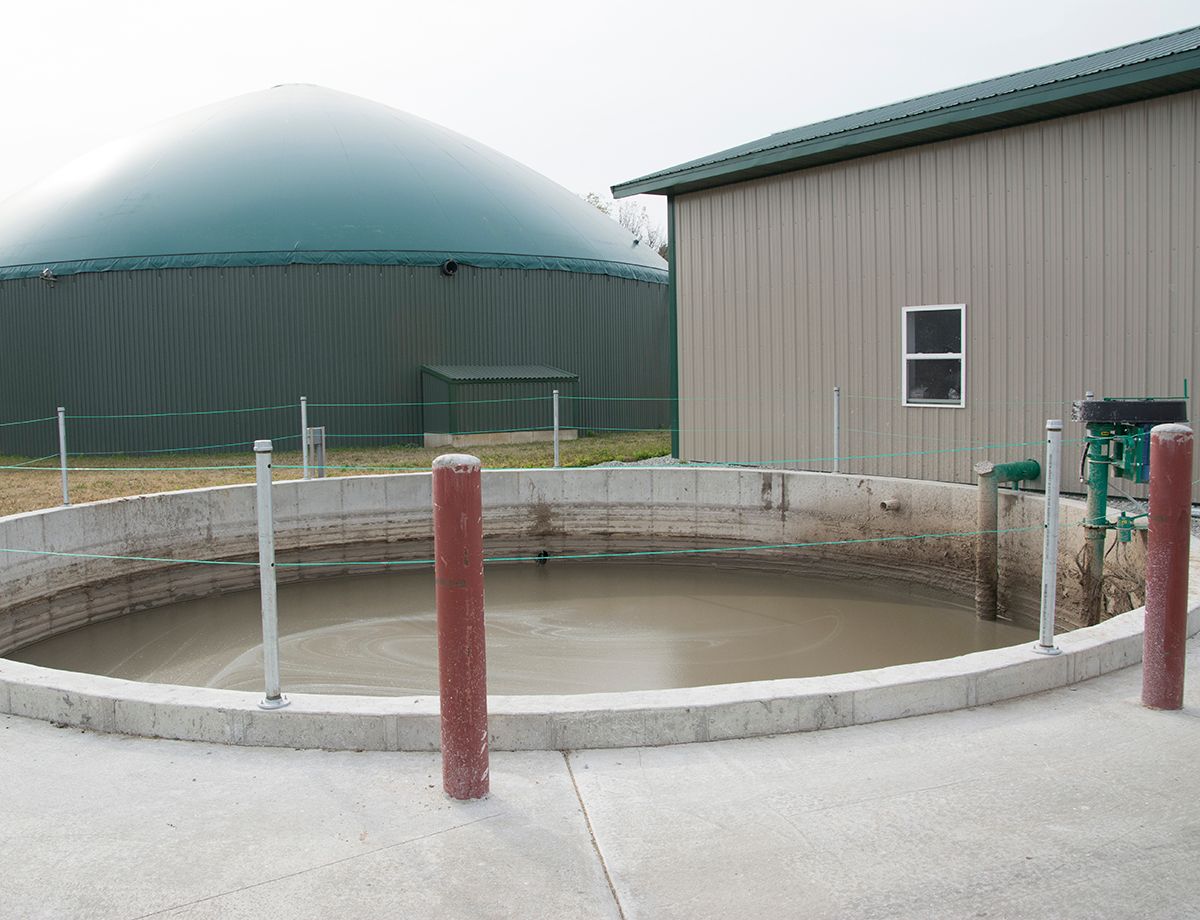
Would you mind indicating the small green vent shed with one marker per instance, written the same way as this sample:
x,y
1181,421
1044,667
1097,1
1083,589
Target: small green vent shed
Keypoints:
x,y
468,404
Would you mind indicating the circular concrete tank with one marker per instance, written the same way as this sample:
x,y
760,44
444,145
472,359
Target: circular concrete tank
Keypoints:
x,y
387,518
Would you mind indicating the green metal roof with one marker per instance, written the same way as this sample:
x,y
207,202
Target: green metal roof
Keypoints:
x,y
478,373
1154,67
302,174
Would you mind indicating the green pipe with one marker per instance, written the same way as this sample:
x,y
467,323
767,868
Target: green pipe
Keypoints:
x,y
1096,523
1017,470
987,542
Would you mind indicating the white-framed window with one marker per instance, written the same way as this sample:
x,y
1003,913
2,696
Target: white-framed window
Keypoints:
x,y
933,358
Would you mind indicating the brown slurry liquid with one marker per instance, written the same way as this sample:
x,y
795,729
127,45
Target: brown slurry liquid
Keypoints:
x,y
567,627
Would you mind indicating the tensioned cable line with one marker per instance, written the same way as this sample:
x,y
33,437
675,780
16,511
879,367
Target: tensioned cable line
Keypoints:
x,y
174,450
974,402
699,464
33,460
188,413
442,402
126,469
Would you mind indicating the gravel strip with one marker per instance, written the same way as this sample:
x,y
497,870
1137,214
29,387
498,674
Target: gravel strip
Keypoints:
x,y
667,460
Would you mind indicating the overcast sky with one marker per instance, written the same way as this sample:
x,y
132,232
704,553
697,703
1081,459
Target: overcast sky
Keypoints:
x,y
587,93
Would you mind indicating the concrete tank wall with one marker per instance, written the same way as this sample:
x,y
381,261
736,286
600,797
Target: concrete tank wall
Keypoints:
x,y
387,517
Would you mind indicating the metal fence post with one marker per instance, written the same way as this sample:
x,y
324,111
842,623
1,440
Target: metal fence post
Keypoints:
x,y
62,453
1045,644
304,432
1165,636
462,666
837,428
273,698
316,442
556,429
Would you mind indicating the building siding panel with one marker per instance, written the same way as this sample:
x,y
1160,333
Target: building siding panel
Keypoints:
x,y
1072,242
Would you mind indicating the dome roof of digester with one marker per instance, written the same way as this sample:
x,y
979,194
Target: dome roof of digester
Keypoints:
x,y
303,174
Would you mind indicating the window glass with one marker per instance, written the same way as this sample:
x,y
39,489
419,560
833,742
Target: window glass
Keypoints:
x,y
934,332
934,380
934,355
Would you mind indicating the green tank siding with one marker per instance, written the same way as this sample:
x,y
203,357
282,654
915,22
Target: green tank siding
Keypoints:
x,y
212,338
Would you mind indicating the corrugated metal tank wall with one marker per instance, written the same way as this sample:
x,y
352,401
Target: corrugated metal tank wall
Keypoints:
x,y
1074,244
210,338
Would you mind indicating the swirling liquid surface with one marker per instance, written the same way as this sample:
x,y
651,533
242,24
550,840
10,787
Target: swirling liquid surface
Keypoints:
x,y
560,628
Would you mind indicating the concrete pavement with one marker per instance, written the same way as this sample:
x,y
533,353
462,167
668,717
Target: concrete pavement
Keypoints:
x,y
1072,803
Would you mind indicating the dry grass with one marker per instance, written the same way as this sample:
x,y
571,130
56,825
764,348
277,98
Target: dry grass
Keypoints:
x,y
38,486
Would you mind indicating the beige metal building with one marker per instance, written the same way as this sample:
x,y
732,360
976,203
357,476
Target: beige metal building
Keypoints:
x,y
962,266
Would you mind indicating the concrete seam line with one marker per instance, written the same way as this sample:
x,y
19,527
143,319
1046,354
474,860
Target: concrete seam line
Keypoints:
x,y
587,819
307,869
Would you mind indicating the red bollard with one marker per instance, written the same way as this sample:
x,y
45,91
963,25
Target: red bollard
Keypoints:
x,y
1167,566
462,666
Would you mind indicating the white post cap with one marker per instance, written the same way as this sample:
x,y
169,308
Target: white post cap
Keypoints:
x,y
457,462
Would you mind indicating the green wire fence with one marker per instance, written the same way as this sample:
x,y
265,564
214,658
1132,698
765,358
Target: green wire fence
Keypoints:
x,y
953,444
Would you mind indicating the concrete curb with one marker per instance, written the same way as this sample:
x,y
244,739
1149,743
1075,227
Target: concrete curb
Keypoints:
x,y
600,720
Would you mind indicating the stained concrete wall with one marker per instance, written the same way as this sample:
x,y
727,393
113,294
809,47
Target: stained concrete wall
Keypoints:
x,y
388,518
